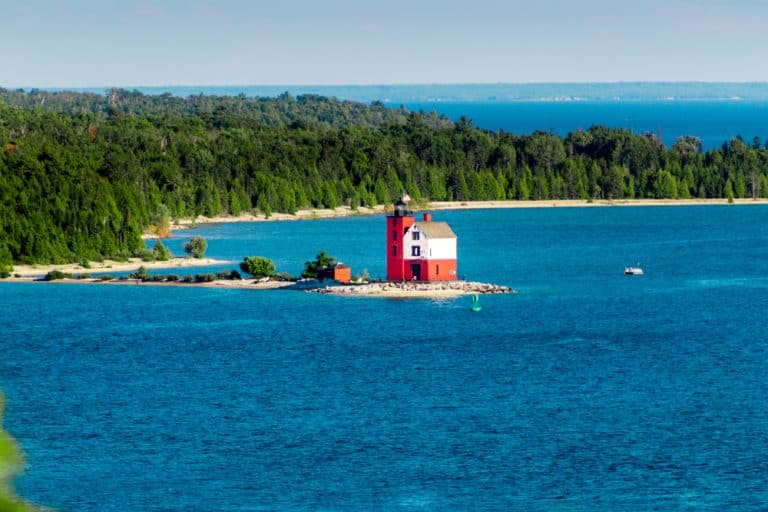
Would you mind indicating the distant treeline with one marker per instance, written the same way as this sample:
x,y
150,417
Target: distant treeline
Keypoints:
x,y
81,174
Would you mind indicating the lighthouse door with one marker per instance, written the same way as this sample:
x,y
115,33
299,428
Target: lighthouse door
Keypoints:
x,y
416,271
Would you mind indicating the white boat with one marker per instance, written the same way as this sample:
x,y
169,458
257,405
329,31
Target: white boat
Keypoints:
x,y
633,271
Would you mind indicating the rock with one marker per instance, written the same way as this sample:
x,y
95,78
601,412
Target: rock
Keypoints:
x,y
467,287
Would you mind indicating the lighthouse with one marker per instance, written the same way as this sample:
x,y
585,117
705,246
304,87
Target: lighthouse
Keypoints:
x,y
398,224
419,250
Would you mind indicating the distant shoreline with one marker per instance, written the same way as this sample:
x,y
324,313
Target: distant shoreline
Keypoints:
x,y
346,211
462,92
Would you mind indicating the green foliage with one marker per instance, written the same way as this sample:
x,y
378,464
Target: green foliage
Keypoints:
x,y
155,278
224,275
141,274
258,266
11,462
82,175
283,276
321,261
55,275
160,252
196,247
145,255
5,271
205,278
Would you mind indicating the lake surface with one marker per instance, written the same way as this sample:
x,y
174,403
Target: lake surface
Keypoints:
x,y
713,121
588,390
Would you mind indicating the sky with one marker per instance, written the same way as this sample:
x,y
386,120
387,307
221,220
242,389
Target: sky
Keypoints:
x,y
84,43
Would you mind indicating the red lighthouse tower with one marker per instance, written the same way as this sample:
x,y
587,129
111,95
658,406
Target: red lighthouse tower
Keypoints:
x,y
397,224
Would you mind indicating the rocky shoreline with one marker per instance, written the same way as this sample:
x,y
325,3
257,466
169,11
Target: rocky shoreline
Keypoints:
x,y
412,289
387,289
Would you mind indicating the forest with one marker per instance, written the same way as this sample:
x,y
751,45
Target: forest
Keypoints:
x,y
82,175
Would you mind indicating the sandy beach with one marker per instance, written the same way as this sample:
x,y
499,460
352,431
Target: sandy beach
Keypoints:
x,y
346,211
580,203
107,266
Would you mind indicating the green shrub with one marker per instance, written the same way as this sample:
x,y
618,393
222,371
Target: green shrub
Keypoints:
x,y
312,268
257,266
284,276
196,247
160,251
141,274
107,277
54,275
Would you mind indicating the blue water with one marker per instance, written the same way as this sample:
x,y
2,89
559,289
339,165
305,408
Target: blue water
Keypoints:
x,y
588,390
713,121
714,112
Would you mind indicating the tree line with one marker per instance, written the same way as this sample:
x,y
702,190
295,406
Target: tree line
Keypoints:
x,y
82,175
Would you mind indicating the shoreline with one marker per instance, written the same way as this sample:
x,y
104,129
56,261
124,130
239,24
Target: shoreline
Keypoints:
x,y
346,211
392,290
109,266
242,284
407,290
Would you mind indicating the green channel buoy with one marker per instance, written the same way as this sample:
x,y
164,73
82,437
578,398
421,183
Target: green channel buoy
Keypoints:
x,y
475,304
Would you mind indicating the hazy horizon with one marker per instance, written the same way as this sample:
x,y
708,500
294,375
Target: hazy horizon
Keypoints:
x,y
387,84
341,42
472,92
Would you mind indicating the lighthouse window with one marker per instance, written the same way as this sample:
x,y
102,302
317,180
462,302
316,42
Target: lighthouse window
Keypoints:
x,y
394,250
415,235
415,250
394,235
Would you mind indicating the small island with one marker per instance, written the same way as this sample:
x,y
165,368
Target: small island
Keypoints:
x,y
421,262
